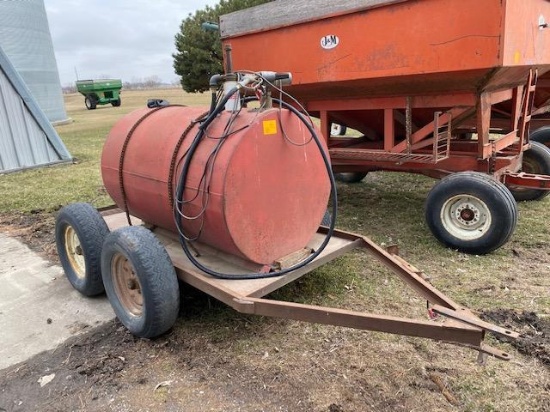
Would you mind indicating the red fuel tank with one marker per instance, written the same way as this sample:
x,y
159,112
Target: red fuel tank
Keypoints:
x,y
257,186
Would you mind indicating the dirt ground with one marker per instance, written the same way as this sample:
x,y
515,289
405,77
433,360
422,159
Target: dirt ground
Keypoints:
x,y
215,359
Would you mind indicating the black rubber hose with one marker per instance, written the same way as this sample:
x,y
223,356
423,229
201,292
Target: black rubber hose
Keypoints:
x,y
183,178
214,111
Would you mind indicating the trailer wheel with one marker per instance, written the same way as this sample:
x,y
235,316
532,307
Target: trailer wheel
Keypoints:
x,y
541,135
471,212
117,102
90,102
140,281
536,160
79,234
352,177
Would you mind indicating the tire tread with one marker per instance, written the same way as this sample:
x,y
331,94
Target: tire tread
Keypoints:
x,y
157,277
91,230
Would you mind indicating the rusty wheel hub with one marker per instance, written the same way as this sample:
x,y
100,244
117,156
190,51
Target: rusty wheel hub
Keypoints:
x,y
74,252
127,285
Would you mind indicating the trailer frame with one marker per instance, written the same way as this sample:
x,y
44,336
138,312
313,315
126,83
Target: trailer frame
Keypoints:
x,y
460,327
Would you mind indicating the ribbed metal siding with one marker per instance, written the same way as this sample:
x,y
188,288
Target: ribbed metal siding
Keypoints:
x,y
27,139
25,38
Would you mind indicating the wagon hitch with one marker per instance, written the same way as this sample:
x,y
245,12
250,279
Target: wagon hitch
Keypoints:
x,y
460,326
527,180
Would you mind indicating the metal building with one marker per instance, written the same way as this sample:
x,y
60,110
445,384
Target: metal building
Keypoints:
x,y
27,138
25,37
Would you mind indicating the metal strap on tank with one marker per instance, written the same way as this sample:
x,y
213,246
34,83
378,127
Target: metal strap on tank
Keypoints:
x,y
123,153
175,154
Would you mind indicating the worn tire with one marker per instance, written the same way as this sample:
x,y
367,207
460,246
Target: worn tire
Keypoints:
x,y
140,281
79,234
536,160
90,102
541,135
471,212
352,177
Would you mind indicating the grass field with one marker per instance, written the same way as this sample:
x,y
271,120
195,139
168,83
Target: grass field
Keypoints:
x,y
84,139
353,370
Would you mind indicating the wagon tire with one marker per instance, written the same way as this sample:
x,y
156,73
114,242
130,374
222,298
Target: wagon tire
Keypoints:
x,y
140,281
79,234
337,129
352,177
471,212
541,135
536,160
117,102
90,102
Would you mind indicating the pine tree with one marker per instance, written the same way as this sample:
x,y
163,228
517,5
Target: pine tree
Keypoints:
x,y
199,52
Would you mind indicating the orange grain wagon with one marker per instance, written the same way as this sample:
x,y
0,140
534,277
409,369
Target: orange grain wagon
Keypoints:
x,y
415,78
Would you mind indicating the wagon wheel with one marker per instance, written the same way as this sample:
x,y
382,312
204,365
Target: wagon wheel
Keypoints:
x,y
337,129
351,177
79,234
541,135
117,102
90,102
536,160
471,212
140,281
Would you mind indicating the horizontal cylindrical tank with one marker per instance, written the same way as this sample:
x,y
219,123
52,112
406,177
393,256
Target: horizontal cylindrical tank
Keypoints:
x,y
257,186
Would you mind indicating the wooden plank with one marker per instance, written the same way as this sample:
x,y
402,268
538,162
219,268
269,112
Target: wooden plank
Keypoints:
x,y
283,13
118,220
226,289
250,287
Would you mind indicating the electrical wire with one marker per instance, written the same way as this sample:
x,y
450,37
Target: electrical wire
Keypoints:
x,y
204,183
216,109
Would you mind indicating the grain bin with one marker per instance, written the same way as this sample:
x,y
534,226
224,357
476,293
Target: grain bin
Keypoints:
x,y
26,40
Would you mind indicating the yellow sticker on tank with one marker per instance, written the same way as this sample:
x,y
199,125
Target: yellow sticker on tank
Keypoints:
x,y
517,57
270,127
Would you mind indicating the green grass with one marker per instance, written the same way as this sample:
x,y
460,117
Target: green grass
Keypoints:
x,y
49,188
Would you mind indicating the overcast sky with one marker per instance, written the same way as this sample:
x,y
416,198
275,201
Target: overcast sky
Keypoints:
x,y
127,39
